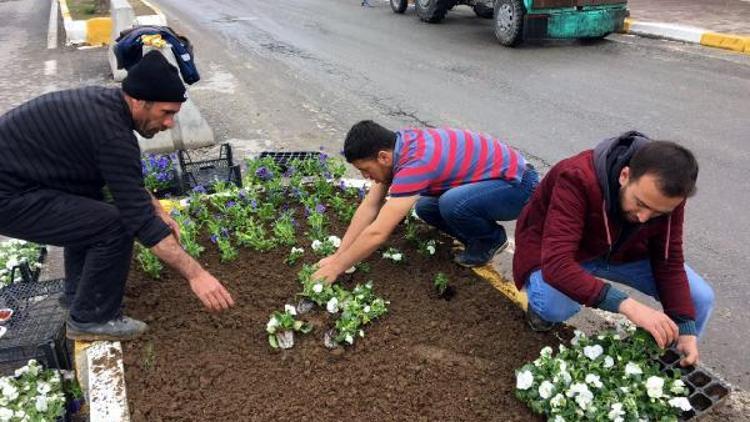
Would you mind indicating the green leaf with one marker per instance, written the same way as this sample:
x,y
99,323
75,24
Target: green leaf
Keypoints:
x,y
272,341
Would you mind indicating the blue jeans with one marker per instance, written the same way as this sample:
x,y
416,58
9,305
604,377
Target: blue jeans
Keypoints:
x,y
469,212
554,306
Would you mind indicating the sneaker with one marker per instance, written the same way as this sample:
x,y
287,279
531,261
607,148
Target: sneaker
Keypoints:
x,y
537,323
120,328
481,259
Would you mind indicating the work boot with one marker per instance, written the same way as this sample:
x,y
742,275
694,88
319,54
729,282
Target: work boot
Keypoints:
x,y
118,329
469,258
537,323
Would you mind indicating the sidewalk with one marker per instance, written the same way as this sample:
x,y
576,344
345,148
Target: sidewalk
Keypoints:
x,y
723,16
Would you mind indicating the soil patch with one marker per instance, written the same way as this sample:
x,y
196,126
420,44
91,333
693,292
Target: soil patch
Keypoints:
x,y
427,359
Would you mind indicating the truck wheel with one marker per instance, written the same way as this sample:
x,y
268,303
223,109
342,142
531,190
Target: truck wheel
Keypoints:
x,y
432,11
509,21
399,6
483,11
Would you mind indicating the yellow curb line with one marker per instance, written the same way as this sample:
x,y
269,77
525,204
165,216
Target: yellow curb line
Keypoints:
x,y
689,34
738,43
506,287
97,31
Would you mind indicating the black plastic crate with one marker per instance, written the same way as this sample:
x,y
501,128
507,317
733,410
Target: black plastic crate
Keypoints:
x,y
284,158
705,389
207,172
37,328
28,274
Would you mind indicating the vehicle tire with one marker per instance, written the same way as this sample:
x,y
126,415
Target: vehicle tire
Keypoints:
x,y
483,11
399,6
508,16
432,11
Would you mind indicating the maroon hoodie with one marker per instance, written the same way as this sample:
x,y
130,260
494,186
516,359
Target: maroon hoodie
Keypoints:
x,y
574,217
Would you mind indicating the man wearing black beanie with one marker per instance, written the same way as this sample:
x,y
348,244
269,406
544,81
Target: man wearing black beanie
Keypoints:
x,y
57,152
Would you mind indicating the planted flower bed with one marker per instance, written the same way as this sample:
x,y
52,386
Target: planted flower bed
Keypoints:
x,y
383,343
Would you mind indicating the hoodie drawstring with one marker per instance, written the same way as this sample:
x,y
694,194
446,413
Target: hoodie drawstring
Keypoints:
x,y
606,225
669,232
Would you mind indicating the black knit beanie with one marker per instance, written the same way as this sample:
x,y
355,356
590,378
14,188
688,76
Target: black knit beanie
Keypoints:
x,y
153,78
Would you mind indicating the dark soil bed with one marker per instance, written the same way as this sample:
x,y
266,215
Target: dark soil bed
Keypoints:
x,y
427,359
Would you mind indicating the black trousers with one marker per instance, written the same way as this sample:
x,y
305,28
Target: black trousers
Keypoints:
x,y
98,249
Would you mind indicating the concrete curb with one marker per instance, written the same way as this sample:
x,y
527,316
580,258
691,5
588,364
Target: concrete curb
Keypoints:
x,y
689,34
97,31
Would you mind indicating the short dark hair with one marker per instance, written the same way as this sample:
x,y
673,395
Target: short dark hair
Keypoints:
x,y
673,165
365,139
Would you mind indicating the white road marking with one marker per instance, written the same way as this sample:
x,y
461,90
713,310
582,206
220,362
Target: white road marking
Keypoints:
x,y
52,30
50,67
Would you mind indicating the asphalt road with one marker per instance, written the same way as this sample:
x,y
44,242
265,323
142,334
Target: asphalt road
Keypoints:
x,y
297,73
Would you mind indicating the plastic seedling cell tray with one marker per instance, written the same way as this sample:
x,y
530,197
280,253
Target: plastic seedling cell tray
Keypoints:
x,y
285,158
206,173
706,390
37,328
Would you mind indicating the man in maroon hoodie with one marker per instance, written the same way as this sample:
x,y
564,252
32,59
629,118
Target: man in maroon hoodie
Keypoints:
x,y
615,212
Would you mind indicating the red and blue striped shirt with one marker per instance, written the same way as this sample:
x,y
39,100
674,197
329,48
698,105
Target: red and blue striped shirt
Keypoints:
x,y
431,161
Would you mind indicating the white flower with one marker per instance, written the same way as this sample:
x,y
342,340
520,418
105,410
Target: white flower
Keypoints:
x,y
557,401
367,309
616,413
316,244
290,309
546,352
633,369
333,305
361,333
335,241
22,370
349,339
545,389
563,365
43,388
296,250
318,287
678,387
397,257
577,335
10,392
431,249
558,418
583,396
41,403
272,324
594,380
608,362
562,348
564,376
681,403
524,380
5,414
593,352
654,387
625,390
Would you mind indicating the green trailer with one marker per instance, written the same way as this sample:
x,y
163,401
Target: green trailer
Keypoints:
x,y
519,20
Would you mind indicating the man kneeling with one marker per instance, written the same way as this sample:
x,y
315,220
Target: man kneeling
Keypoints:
x,y
614,212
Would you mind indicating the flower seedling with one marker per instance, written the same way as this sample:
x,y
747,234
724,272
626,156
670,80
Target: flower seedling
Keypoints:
x,y
326,247
150,263
33,393
394,255
442,286
428,247
606,377
158,172
294,255
281,327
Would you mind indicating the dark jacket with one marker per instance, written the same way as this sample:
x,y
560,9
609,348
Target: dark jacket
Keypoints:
x,y
574,217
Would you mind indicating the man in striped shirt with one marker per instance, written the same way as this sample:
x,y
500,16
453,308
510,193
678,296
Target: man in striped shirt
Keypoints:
x,y
459,181
57,152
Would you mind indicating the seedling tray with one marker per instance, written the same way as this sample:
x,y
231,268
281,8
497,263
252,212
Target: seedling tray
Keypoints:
x,y
706,391
37,328
284,158
207,172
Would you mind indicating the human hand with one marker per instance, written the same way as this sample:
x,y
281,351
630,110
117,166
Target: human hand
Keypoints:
x,y
329,274
327,260
661,327
687,345
211,292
